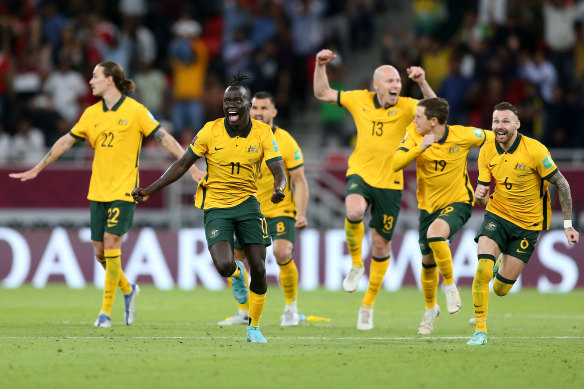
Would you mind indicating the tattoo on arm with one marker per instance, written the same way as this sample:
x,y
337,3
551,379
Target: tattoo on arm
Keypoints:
x,y
169,143
564,193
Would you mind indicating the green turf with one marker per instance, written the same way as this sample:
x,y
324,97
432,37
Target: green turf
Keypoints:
x,y
47,340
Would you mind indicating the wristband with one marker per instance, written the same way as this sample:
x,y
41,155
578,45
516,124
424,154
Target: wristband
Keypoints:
x,y
567,223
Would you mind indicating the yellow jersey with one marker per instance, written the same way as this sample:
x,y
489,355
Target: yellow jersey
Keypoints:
x,y
116,135
441,170
233,162
379,132
521,188
292,156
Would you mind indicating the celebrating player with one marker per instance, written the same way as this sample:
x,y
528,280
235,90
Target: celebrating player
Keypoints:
x,y
234,148
381,118
518,209
445,195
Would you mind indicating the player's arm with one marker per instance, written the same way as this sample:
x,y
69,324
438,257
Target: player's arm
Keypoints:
x,y
565,195
418,75
173,173
484,181
482,195
320,83
280,181
408,151
300,194
63,144
173,147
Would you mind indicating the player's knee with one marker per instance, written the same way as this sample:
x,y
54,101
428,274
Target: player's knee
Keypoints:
x,y
226,269
282,255
501,288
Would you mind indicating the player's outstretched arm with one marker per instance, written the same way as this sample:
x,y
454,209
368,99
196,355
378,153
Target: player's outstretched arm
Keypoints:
x,y
418,75
280,181
301,195
171,144
565,195
482,195
62,144
173,173
320,83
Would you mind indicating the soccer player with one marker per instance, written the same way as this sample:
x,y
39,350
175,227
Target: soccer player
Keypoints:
x,y
518,209
445,195
115,127
283,218
234,148
381,118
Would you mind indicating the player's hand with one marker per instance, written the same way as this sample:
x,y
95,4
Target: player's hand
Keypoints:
x,y
416,74
324,56
572,235
196,174
482,194
301,223
140,195
429,140
24,176
278,195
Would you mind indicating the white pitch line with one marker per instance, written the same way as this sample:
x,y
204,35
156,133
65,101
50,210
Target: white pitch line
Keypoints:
x,y
285,337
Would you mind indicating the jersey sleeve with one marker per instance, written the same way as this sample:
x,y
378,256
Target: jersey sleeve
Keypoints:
x,y
291,153
80,128
147,123
348,99
270,146
407,151
543,162
484,172
479,137
200,144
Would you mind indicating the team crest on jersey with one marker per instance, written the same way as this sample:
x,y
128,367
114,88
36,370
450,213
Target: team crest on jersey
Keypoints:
x,y
123,122
353,186
454,149
214,234
253,149
491,226
392,112
520,166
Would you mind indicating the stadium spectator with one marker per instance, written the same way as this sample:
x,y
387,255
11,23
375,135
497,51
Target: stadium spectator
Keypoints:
x,y
522,169
370,180
228,210
28,144
114,126
5,145
150,87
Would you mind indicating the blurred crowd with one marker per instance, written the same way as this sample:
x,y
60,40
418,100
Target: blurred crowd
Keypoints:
x,y
181,53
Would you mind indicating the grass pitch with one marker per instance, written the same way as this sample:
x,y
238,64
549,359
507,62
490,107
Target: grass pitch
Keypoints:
x,y
47,340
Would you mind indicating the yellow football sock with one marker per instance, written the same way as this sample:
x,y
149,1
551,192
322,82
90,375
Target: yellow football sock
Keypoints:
x,y
289,280
501,285
124,284
113,270
480,290
355,232
376,273
256,306
430,280
244,306
443,258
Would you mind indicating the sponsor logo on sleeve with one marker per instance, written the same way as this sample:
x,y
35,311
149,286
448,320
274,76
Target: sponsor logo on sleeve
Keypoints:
x,y
478,133
547,162
151,117
275,145
297,155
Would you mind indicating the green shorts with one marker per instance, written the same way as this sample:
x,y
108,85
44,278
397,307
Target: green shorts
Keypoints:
x,y
114,217
282,227
385,204
245,220
455,214
512,240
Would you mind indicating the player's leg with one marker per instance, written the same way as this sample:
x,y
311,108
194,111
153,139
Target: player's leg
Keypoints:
x,y
256,256
124,284
429,278
241,317
355,206
509,271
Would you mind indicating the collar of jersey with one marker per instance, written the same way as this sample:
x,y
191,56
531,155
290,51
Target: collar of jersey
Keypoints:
x,y
443,139
232,133
376,102
116,105
512,148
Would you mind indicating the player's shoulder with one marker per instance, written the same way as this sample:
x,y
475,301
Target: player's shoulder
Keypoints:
x,y
406,101
359,95
467,131
260,126
281,133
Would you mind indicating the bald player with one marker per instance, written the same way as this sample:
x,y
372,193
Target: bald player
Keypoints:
x,y
381,117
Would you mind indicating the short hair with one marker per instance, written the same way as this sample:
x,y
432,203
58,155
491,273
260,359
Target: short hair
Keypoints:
x,y
505,106
436,107
117,73
265,95
238,80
